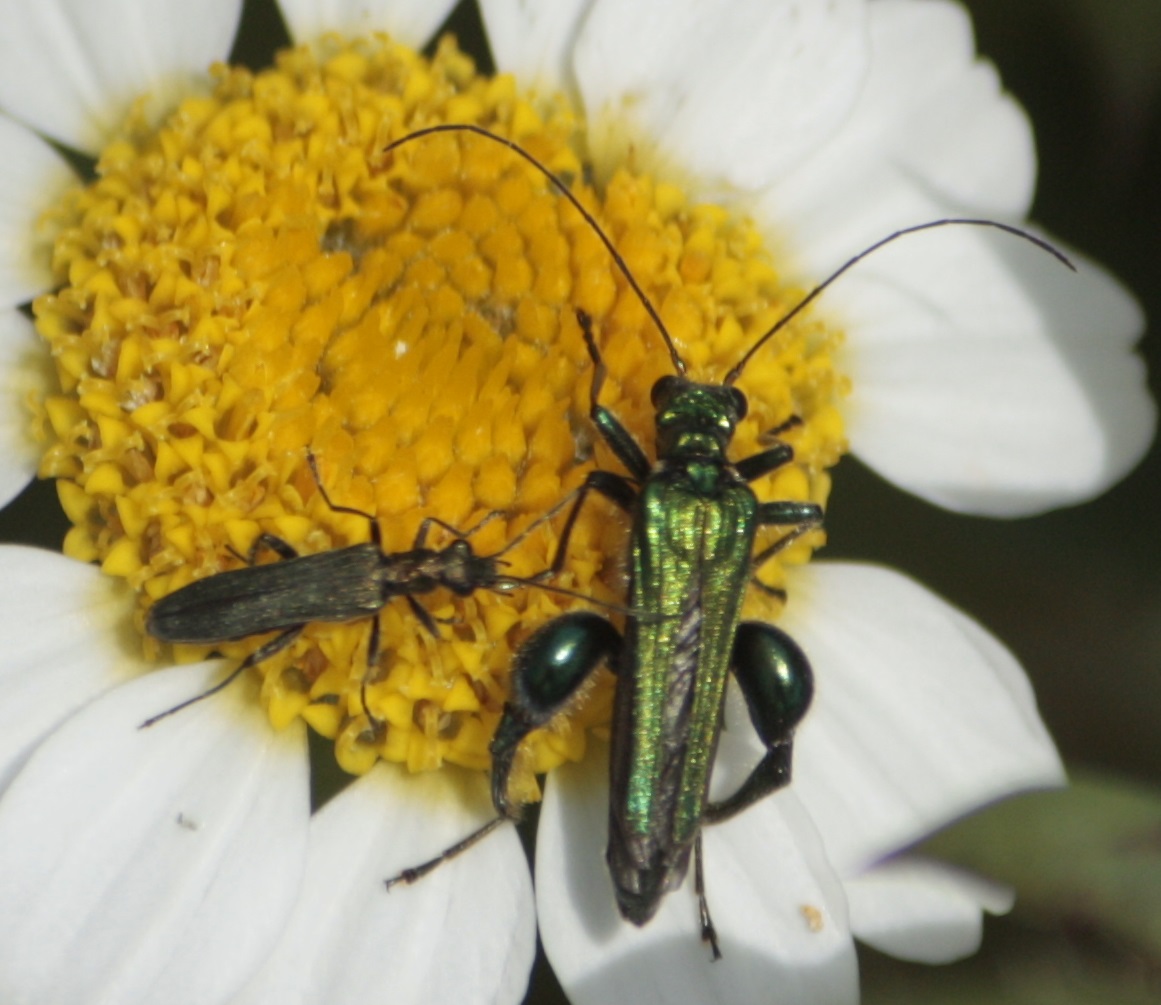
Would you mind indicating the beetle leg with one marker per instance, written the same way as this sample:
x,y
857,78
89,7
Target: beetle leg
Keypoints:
x,y
542,519
619,439
777,684
422,614
754,467
777,592
417,872
772,435
616,488
376,535
264,652
806,516
801,515
310,459
284,549
460,535
378,726
547,671
709,934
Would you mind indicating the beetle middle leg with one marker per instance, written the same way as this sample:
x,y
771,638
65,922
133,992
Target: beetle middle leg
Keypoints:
x,y
799,515
425,618
802,517
376,534
461,535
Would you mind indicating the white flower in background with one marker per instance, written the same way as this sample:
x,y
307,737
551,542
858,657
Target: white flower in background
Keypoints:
x,y
183,864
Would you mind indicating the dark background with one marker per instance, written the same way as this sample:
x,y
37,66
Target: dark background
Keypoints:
x,y
1076,594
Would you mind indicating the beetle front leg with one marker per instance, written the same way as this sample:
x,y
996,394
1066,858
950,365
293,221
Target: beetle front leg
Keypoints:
x,y
546,672
777,683
619,439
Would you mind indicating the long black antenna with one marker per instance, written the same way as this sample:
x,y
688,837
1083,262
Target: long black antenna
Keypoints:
x,y
931,225
678,362
504,583
463,127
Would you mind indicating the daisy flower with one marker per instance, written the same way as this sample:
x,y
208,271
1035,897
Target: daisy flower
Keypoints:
x,y
251,277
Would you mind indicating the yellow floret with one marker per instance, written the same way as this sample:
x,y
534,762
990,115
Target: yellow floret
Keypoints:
x,y
259,279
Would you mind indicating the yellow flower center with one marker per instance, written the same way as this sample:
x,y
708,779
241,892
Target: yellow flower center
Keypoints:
x,y
257,281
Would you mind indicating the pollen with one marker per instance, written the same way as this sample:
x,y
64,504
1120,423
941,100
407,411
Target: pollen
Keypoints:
x,y
258,282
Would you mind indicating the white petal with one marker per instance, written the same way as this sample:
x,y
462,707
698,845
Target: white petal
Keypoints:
x,y
73,68
736,94
923,911
931,122
66,639
465,933
32,177
779,912
154,865
963,138
410,21
25,369
534,40
919,715
987,377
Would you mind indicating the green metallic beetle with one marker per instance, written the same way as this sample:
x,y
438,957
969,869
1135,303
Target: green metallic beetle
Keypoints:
x,y
691,550
694,521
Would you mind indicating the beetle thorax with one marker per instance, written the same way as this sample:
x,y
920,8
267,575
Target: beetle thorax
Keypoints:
x,y
462,571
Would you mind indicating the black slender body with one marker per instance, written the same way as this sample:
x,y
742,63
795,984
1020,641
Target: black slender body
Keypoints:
x,y
340,585
345,584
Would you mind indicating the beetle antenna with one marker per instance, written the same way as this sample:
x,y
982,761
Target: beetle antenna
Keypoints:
x,y
464,127
504,583
931,225
543,518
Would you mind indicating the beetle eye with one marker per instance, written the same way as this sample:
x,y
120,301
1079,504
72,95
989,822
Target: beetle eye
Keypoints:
x,y
741,406
662,390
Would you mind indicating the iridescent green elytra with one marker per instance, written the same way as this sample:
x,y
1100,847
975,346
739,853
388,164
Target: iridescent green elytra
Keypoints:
x,y
687,545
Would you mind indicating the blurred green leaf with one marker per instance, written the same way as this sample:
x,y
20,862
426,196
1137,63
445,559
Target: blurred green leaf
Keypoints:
x,y
1086,859
1015,967
1086,930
